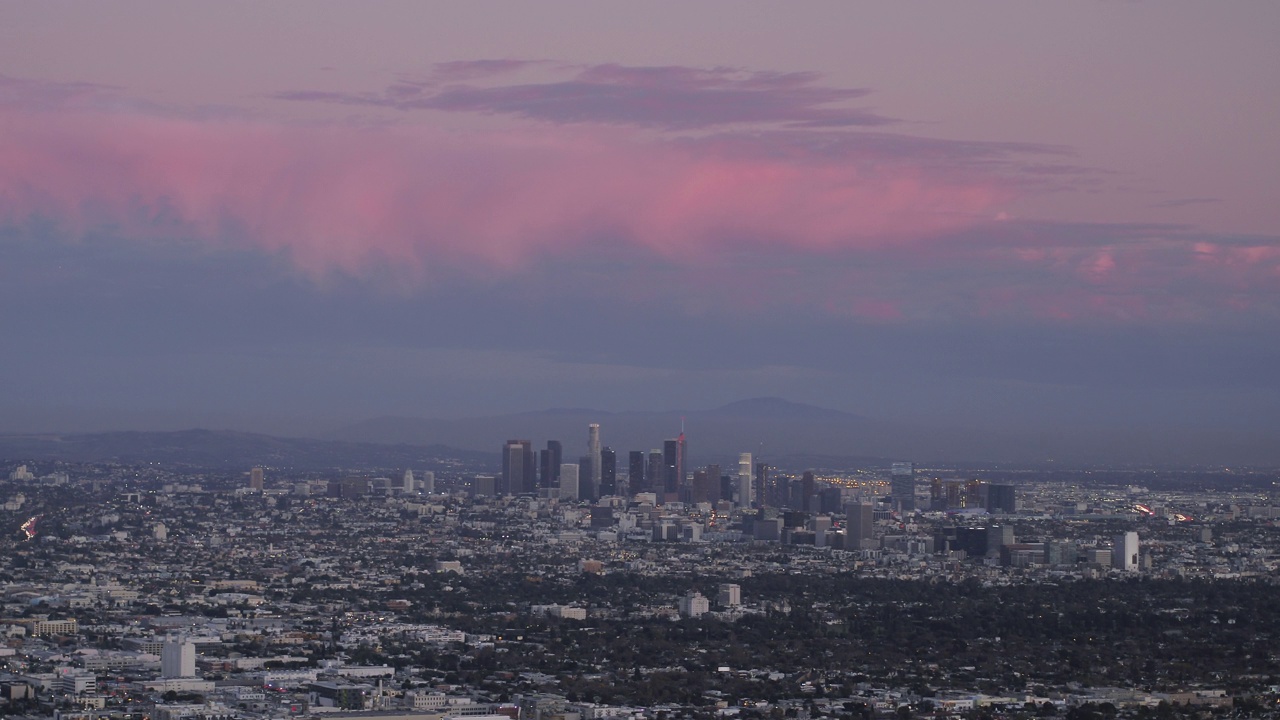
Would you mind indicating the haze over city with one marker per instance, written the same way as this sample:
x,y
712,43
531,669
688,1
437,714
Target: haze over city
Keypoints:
x,y
1043,225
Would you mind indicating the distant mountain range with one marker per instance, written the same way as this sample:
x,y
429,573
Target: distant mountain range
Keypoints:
x,y
795,435
784,433
768,427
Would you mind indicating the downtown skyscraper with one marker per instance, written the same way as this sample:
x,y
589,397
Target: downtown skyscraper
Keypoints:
x,y
673,468
519,475
637,477
902,485
593,455
745,473
608,474
549,462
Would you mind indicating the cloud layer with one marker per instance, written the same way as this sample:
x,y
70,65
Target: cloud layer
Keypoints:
x,y
339,197
770,206
669,97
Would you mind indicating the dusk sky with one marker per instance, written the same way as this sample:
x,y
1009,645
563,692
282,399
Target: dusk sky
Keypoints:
x,y
289,216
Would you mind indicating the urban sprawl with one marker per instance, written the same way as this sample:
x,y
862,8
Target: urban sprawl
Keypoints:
x,y
635,586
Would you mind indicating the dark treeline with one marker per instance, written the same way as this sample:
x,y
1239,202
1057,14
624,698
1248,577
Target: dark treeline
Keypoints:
x,y
1157,634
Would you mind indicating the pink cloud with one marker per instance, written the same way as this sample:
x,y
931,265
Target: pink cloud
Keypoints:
x,y
344,198
1136,279
870,225
1098,267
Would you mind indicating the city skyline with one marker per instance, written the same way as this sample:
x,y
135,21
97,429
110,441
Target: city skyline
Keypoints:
x,y
298,218
172,591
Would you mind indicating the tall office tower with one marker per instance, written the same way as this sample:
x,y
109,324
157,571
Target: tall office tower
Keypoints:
x,y
973,493
517,468
530,480
830,500
683,454
729,595
1002,498
255,479
976,542
656,472
713,480
700,491
679,467
859,523
178,658
636,481
808,491
608,473
781,490
744,480
428,482
761,486
937,499
511,453
484,486
954,494
550,461
997,537
569,482
586,490
593,452
672,467
902,485
1124,552
407,486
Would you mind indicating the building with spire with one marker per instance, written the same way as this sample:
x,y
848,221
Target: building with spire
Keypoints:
x,y
673,467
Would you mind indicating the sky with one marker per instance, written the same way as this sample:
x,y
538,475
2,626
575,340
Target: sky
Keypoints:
x,y
290,216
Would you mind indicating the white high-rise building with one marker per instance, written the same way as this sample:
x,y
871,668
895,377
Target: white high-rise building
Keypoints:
x,y
694,605
745,494
178,658
1124,552
409,489
569,482
593,452
729,595
428,482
